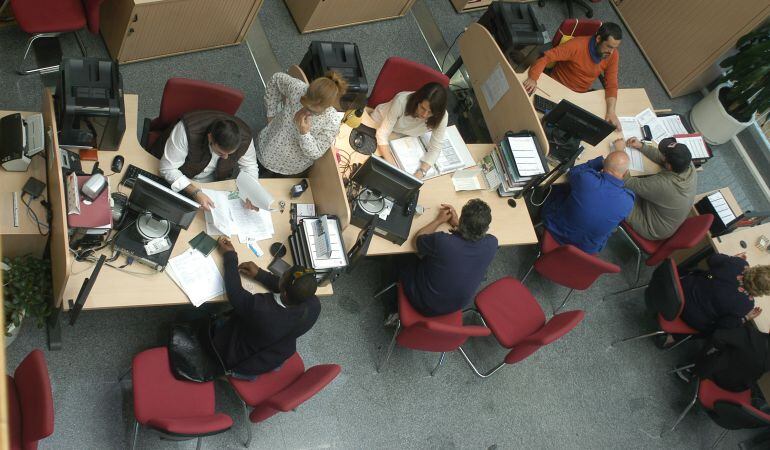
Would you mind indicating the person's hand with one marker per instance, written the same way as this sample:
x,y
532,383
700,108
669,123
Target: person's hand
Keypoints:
x,y
205,201
634,143
741,255
248,205
224,245
612,118
530,85
454,219
444,215
418,174
302,120
249,269
753,313
619,144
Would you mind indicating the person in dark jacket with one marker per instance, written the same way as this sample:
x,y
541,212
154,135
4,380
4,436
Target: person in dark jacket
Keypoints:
x,y
262,330
723,296
734,358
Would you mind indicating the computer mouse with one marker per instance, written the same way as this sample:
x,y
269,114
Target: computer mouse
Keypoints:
x,y
117,164
743,244
511,203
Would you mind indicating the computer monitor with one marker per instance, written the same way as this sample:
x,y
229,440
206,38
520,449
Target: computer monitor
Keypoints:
x,y
162,202
386,179
577,123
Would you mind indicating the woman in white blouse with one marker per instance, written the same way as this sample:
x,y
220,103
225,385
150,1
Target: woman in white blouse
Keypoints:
x,y
413,114
302,123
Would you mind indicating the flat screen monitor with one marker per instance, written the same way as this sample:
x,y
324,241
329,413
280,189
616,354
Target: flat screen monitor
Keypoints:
x,y
578,123
386,179
162,202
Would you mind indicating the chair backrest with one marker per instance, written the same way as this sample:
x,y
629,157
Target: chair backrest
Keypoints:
x,y
664,294
575,27
33,387
181,95
569,266
692,230
92,14
558,326
268,384
399,74
433,334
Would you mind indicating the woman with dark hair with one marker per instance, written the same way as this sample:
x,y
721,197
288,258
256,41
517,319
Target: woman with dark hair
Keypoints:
x,y
414,114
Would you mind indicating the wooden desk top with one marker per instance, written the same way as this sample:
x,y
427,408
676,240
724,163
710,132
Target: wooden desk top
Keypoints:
x,y
146,287
511,226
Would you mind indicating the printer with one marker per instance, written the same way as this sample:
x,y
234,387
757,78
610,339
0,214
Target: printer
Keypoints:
x,y
20,140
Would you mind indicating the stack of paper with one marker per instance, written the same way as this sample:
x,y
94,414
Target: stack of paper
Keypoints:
x,y
454,155
695,143
528,162
660,128
336,256
230,217
197,276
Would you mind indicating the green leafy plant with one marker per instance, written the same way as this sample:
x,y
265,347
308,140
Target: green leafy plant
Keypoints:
x,y
748,73
27,290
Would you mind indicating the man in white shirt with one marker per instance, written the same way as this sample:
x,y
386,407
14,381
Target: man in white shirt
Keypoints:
x,y
205,146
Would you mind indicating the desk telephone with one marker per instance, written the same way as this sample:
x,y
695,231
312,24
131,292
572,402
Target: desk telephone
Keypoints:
x,y
20,140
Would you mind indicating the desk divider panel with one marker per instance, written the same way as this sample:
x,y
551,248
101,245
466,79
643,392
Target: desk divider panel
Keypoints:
x,y
60,255
328,190
513,111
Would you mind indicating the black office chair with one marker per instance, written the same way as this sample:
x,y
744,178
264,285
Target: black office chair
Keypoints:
x,y
570,7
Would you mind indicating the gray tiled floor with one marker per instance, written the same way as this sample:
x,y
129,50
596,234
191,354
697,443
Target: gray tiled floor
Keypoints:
x,y
576,393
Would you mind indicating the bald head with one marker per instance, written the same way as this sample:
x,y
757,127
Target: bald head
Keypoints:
x,y
616,164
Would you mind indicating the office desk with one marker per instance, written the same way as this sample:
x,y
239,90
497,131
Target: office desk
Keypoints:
x,y
514,110
138,285
511,226
24,238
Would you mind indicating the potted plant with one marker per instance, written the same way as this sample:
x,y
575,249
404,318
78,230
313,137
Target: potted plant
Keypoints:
x,y
743,90
27,292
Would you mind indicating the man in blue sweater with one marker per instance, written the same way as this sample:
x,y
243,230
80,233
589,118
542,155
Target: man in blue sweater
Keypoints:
x,y
586,212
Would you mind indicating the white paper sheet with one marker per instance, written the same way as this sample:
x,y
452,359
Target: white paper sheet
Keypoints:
x,y
721,207
528,161
230,217
636,159
494,87
249,188
467,179
673,125
337,256
408,151
197,276
631,128
696,144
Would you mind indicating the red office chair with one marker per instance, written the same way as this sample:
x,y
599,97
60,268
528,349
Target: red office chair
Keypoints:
x,y
282,390
570,28
181,95
664,294
399,74
568,266
50,18
179,410
517,321
690,233
30,403
431,334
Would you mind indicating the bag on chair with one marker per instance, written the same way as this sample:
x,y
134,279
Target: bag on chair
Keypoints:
x,y
191,353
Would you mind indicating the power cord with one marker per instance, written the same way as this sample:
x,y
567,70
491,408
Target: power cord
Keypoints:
x,y
450,49
32,215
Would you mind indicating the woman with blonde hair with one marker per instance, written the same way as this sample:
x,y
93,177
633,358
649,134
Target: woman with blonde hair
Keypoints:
x,y
302,123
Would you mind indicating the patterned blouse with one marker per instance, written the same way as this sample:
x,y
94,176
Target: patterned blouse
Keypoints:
x,y
281,148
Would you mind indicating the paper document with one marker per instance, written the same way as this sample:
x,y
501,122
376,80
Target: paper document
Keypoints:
x,y
467,179
695,143
636,159
495,87
528,162
408,152
249,188
336,257
631,128
197,276
657,129
673,125
230,216
721,207
454,154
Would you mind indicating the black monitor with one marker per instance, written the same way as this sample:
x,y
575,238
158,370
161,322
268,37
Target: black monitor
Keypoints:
x,y
162,202
386,179
577,123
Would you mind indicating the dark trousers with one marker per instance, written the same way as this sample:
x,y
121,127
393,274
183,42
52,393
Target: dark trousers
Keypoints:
x,y
392,271
264,172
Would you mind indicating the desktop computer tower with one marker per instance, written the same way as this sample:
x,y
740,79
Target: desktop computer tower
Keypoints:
x,y
89,104
517,31
343,58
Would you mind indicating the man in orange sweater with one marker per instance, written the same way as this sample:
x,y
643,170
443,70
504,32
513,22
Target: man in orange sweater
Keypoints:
x,y
580,61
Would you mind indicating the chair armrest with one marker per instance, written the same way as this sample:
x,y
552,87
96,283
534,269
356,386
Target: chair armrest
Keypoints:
x,y
304,387
558,326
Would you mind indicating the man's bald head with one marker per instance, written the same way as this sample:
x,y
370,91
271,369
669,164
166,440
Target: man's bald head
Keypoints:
x,y
616,164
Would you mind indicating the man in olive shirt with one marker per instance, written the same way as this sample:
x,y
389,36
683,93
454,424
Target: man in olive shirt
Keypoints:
x,y
663,201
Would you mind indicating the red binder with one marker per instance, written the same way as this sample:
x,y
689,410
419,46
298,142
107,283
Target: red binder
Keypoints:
x,y
96,214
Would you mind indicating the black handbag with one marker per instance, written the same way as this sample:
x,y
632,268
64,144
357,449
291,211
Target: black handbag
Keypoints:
x,y
191,353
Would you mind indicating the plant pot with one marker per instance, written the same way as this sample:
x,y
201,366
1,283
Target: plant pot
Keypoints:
x,y
709,118
13,333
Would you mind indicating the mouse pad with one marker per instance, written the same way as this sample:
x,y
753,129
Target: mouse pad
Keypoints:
x,y
203,243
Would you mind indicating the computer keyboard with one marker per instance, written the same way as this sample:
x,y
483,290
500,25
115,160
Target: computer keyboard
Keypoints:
x,y
129,177
35,134
543,104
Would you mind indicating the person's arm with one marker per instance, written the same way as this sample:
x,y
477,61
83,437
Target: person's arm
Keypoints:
x,y
562,52
315,145
586,171
717,260
434,145
651,188
174,155
280,86
268,280
389,119
444,215
652,152
248,162
243,301
611,89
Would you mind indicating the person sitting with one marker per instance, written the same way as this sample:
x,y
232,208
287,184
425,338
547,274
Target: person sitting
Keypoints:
x,y
664,200
262,330
586,211
204,146
723,296
451,266
302,123
580,61
414,114
734,358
